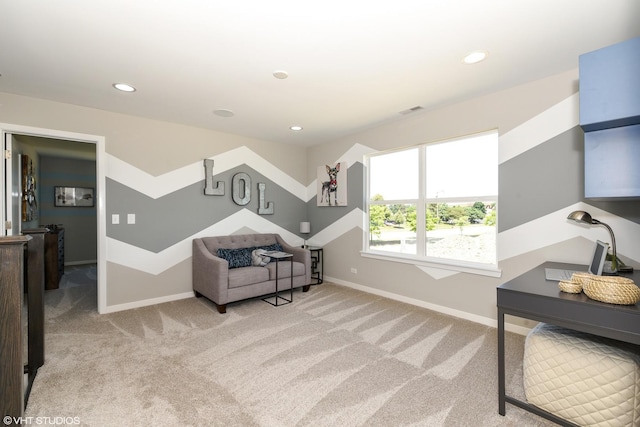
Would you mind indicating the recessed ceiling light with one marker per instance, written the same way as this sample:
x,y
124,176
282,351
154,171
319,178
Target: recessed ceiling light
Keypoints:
x,y
296,128
222,112
124,87
280,74
475,56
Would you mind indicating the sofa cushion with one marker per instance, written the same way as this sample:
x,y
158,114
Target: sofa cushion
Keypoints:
x,y
239,277
236,257
284,269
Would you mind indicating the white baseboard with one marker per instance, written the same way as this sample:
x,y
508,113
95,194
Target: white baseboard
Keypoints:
x,y
396,297
438,308
147,302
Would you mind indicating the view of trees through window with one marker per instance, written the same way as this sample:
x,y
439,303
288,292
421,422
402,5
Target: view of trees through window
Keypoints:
x,y
451,216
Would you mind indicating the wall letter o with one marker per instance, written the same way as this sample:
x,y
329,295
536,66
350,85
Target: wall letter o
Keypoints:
x,y
235,184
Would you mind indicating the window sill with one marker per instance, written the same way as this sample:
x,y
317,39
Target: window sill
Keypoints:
x,y
460,267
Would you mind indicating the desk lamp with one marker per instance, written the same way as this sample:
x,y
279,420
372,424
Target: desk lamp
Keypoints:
x,y
583,217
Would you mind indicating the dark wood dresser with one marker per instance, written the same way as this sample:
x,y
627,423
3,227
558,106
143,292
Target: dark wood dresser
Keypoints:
x,y
53,257
12,259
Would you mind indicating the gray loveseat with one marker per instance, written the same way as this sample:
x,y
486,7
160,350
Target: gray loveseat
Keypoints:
x,y
223,273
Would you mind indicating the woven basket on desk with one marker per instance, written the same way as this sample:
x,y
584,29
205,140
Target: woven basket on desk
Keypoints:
x,y
570,287
612,289
574,285
609,289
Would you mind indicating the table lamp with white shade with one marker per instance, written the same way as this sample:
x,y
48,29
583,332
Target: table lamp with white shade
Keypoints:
x,y
305,228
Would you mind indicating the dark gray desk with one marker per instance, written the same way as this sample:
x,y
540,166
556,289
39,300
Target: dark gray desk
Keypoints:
x,y
532,297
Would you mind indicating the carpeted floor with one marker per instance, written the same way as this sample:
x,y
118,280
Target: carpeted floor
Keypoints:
x,y
335,357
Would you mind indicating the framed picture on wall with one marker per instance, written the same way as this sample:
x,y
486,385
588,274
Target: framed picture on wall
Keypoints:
x,y
73,196
332,184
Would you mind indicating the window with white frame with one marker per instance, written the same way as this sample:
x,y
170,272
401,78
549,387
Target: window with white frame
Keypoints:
x,y
435,203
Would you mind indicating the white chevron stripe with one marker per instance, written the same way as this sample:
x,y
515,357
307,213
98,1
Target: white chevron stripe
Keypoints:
x,y
155,263
351,156
158,186
527,237
149,185
546,125
348,222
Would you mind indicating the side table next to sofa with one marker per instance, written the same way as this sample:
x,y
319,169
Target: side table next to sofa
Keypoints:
x,y
317,264
276,257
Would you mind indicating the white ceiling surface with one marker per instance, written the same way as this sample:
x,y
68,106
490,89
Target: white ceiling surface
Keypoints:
x,y
351,64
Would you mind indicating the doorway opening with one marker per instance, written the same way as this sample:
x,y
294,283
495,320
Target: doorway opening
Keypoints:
x,y
50,142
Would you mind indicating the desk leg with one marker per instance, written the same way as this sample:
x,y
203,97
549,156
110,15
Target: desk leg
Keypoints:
x,y
501,368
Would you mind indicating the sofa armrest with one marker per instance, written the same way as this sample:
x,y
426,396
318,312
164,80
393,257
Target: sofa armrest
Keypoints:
x,y
210,274
299,255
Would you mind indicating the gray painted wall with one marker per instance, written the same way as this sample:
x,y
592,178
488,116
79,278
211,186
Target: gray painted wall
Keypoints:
x,y
80,223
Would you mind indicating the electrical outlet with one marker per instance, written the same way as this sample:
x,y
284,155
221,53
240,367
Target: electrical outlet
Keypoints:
x,y
354,270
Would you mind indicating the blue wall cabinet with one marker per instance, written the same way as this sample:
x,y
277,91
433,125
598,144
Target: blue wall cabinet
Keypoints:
x,y
612,163
610,86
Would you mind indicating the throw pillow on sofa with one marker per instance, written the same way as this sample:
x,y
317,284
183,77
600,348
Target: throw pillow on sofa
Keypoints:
x,y
259,259
241,257
236,257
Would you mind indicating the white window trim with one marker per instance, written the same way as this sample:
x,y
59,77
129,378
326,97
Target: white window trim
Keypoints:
x,y
491,270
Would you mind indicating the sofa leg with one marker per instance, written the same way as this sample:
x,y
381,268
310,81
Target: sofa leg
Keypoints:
x,y
198,294
222,308
306,288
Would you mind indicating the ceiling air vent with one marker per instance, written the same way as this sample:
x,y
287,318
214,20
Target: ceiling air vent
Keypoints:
x,y
411,110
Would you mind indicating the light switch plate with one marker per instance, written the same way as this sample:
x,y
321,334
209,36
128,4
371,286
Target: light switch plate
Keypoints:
x,y
131,218
115,219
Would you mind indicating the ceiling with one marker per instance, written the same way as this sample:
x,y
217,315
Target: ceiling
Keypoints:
x,y
351,64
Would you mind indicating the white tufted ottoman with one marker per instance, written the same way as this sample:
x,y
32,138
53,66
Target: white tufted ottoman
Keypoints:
x,y
585,379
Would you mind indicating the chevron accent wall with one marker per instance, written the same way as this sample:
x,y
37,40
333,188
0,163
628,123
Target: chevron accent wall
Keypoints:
x,y
539,187
172,209
541,180
541,173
